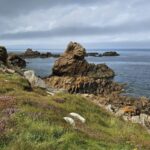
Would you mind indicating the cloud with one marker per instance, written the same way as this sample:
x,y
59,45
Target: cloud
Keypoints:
x,y
87,21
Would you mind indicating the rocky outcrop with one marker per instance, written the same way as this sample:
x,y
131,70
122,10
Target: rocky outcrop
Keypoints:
x,y
29,53
15,60
135,110
83,84
123,105
3,55
72,72
111,53
73,63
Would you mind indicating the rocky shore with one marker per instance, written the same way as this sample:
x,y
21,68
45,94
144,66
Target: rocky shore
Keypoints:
x,y
73,74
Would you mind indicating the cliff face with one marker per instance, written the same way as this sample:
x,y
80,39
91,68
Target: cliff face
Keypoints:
x,y
72,72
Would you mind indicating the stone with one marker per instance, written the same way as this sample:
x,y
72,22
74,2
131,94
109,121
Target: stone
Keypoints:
x,y
15,60
125,118
70,121
3,54
34,80
143,118
10,71
77,116
135,119
109,108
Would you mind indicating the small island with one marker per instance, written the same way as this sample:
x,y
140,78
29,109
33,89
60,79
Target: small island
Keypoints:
x,y
111,53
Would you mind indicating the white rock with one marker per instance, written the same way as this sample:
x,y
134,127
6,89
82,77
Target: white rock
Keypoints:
x,y
77,116
125,118
50,93
119,113
10,71
135,119
33,79
143,117
109,108
70,121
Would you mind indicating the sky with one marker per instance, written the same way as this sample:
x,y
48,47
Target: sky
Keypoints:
x,y
93,23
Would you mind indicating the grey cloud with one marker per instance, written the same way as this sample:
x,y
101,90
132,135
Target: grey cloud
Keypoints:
x,y
74,19
136,27
12,7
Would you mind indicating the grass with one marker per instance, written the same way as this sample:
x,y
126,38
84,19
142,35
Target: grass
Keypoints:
x,y
36,122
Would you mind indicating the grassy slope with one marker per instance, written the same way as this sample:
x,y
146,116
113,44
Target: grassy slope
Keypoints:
x,y
38,122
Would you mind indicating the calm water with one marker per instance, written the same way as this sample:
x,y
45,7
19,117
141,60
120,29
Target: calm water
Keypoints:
x,y
132,67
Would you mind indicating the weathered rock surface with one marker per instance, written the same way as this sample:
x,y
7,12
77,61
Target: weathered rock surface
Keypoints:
x,y
125,104
111,53
72,63
72,72
3,54
15,60
83,84
34,80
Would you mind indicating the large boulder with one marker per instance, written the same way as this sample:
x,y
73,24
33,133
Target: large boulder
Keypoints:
x,y
72,72
34,80
3,54
73,63
15,60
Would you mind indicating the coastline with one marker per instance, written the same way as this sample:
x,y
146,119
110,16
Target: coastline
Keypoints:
x,y
107,96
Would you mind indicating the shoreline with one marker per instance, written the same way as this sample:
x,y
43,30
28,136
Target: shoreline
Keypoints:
x,y
80,104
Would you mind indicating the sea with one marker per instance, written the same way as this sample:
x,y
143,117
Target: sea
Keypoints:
x,y
132,67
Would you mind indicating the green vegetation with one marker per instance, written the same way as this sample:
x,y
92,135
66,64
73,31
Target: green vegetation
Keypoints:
x,y
33,120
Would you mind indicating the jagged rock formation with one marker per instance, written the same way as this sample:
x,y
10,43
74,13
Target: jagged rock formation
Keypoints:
x,y
72,63
3,54
83,84
15,60
73,73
